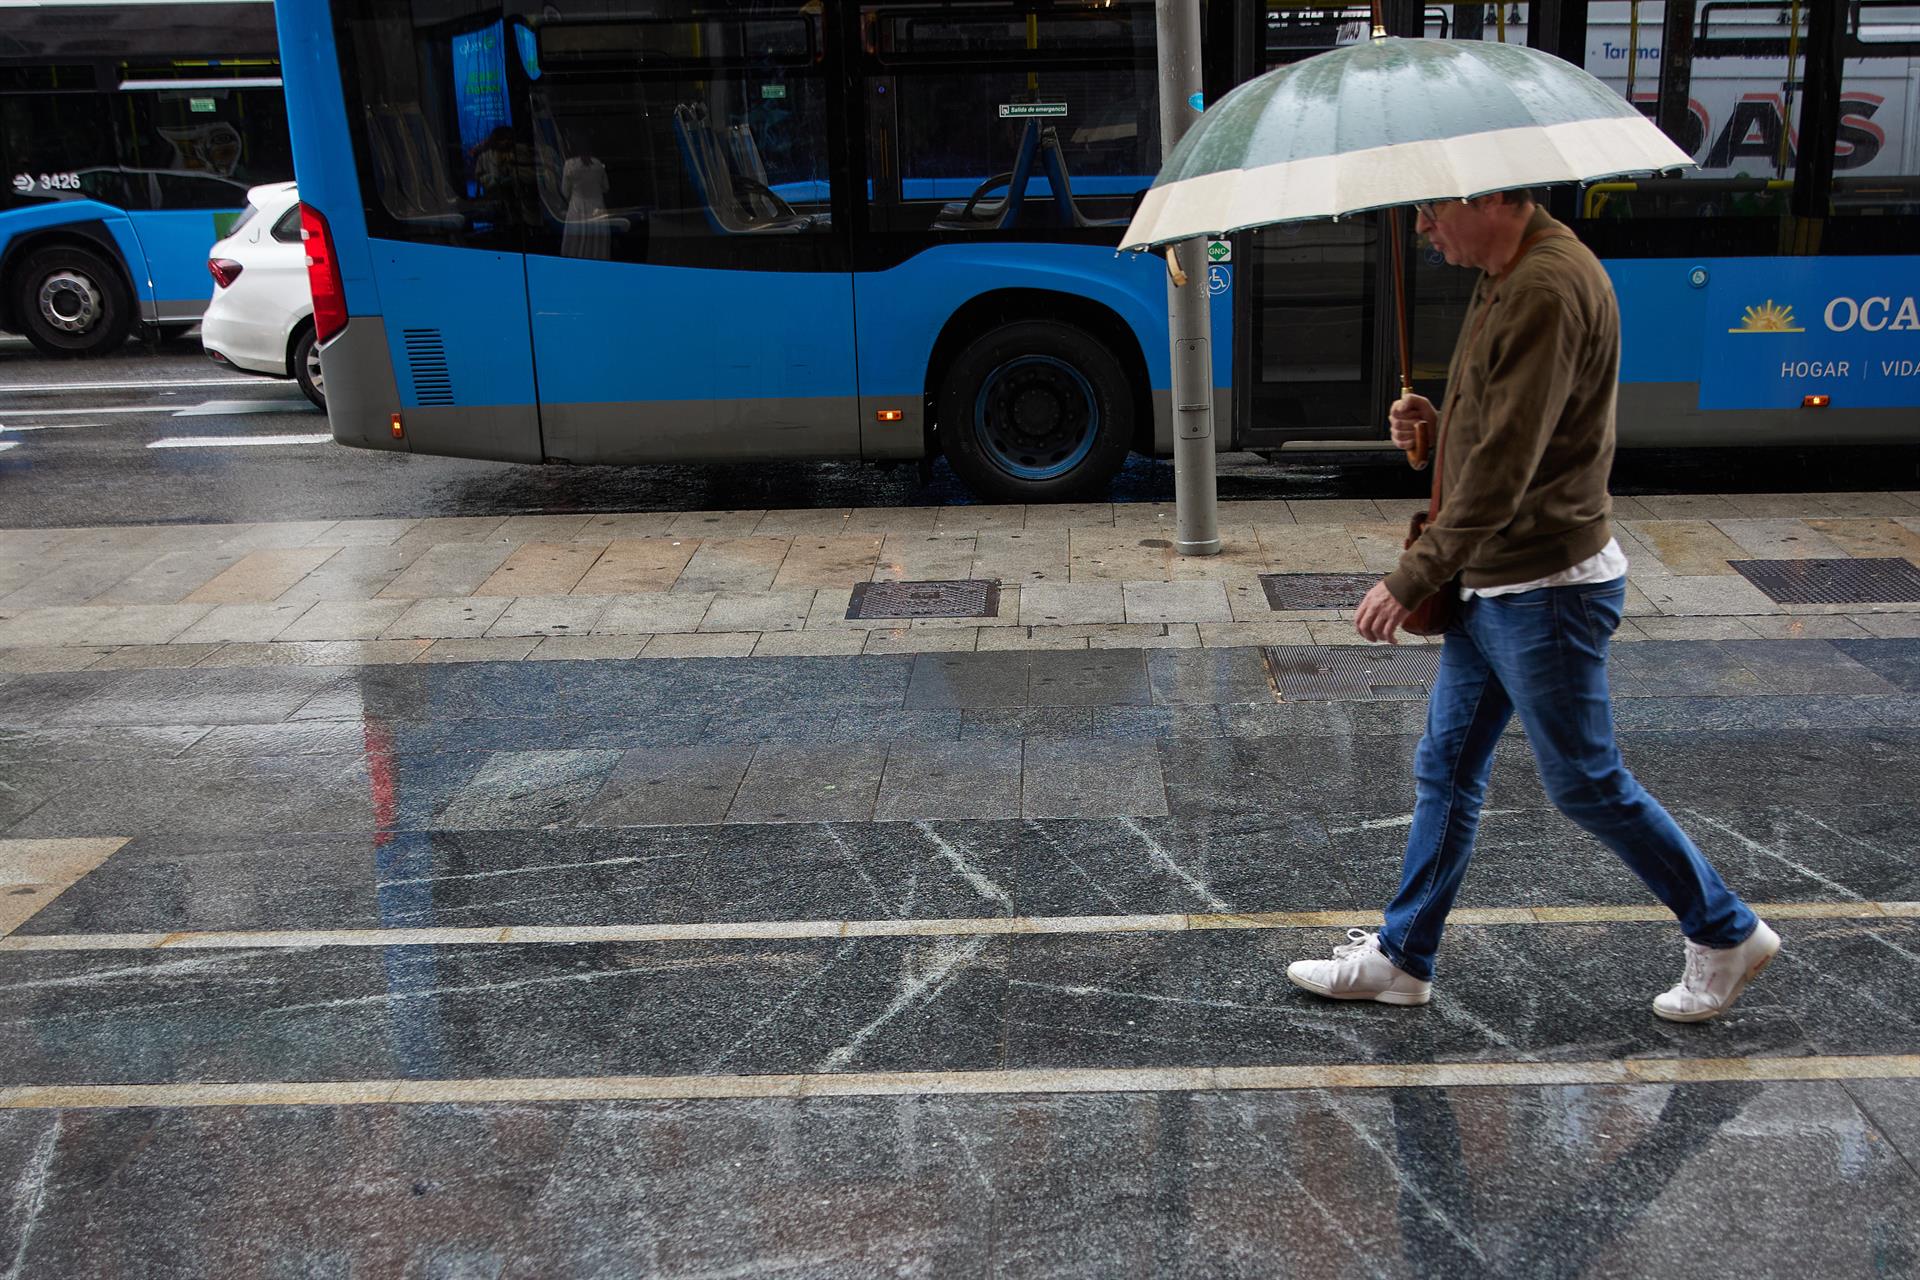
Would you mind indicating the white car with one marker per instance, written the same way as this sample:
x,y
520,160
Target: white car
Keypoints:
x,y
261,316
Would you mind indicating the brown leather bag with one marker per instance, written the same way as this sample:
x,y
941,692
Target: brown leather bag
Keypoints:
x,y
1432,616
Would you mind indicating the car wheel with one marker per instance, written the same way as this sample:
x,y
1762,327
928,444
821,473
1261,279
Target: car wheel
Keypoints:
x,y
304,360
1036,411
72,302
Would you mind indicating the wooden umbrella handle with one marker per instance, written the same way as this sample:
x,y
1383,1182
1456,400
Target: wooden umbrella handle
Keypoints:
x,y
1423,443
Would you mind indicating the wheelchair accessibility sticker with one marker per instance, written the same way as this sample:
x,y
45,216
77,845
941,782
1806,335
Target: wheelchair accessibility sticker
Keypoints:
x,y
1219,280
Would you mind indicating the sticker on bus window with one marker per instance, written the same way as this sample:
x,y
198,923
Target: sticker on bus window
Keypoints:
x,y
773,92
200,104
1025,110
27,183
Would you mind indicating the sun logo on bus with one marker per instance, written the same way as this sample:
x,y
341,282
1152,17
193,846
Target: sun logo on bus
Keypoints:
x,y
1768,317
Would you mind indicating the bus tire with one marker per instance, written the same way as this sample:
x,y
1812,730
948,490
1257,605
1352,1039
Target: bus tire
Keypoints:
x,y
1036,411
303,361
71,302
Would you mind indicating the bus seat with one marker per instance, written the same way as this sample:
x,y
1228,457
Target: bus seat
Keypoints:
x,y
414,186
976,213
708,168
1053,161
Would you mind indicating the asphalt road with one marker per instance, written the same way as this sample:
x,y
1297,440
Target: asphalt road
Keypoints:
x,y
167,436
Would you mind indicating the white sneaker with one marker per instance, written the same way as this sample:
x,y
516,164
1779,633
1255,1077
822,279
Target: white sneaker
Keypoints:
x,y
1715,977
1359,970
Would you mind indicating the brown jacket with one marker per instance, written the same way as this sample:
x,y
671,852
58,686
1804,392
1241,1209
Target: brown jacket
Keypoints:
x,y
1528,439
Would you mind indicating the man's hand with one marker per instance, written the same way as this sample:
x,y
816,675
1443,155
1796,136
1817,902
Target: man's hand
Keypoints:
x,y
1380,615
1406,415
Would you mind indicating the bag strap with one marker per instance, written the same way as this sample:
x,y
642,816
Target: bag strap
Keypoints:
x,y
1453,392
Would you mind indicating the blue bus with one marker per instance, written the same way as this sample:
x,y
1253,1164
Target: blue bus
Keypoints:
x,y
129,135
624,231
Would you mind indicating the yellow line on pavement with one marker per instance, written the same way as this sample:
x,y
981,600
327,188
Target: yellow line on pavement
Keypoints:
x,y
1447,1075
751,930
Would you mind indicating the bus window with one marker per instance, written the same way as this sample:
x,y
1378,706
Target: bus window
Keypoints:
x,y
58,147
1732,99
439,159
204,146
996,117
1876,160
680,133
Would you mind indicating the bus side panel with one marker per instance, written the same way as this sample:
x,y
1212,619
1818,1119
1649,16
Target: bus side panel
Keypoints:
x,y
460,348
900,313
18,225
1722,351
1661,319
641,363
177,241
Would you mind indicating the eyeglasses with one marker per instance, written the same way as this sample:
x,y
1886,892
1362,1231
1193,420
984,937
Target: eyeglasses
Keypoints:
x,y
1424,209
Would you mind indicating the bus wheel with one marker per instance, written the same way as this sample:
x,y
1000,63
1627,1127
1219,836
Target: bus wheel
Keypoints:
x,y
304,362
1036,411
71,302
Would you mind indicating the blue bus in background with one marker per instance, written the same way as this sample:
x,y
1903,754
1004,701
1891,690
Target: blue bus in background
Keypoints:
x,y
129,135
622,231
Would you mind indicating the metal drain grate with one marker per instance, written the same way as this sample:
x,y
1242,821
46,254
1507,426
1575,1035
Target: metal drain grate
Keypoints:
x,y
1308,673
1316,590
967,598
1886,580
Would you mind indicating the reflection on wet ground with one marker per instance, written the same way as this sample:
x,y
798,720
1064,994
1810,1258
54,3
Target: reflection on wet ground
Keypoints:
x,y
847,966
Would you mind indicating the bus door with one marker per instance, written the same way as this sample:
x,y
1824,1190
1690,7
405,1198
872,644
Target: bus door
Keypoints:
x,y
689,292
1316,354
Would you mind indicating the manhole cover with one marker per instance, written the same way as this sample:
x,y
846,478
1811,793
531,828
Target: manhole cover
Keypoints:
x,y
967,598
1316,590
1308,673
1884,580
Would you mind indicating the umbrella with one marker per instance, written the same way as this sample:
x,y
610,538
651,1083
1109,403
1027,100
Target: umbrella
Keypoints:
x,y
1393,122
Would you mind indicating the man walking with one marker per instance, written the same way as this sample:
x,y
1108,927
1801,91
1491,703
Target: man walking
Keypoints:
x,y
1524,450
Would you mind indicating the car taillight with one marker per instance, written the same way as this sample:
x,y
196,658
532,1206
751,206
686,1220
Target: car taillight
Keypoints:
x,y
224,271
323,275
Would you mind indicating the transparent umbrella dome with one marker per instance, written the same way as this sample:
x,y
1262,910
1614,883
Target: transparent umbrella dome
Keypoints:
x,y
1392,122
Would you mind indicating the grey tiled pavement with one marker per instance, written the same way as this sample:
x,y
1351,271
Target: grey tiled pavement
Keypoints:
x,y
964,867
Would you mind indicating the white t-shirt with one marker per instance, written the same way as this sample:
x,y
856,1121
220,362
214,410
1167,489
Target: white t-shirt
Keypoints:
x,y
1604,566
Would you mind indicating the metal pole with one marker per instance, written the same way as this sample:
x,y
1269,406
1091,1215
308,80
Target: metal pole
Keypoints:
x,y
1189,320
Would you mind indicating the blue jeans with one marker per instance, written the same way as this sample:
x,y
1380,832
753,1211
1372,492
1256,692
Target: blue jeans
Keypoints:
x,y
1542,654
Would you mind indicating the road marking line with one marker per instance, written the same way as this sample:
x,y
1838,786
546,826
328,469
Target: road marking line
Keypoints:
x,y
878,1084
8,444
53,426
76,413
224,442
748,930
133,386
214,408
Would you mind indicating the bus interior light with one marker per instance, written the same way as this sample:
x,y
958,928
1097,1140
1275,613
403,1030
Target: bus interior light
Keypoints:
x,y
1815,402
889,415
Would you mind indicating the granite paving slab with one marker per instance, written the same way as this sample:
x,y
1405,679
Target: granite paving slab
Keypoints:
x,y
1620,1181
437,1012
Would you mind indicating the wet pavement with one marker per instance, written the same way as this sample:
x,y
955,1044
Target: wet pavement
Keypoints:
x,y
945,964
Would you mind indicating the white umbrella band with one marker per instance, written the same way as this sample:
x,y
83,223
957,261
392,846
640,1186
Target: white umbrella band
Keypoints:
x,y
1401,173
